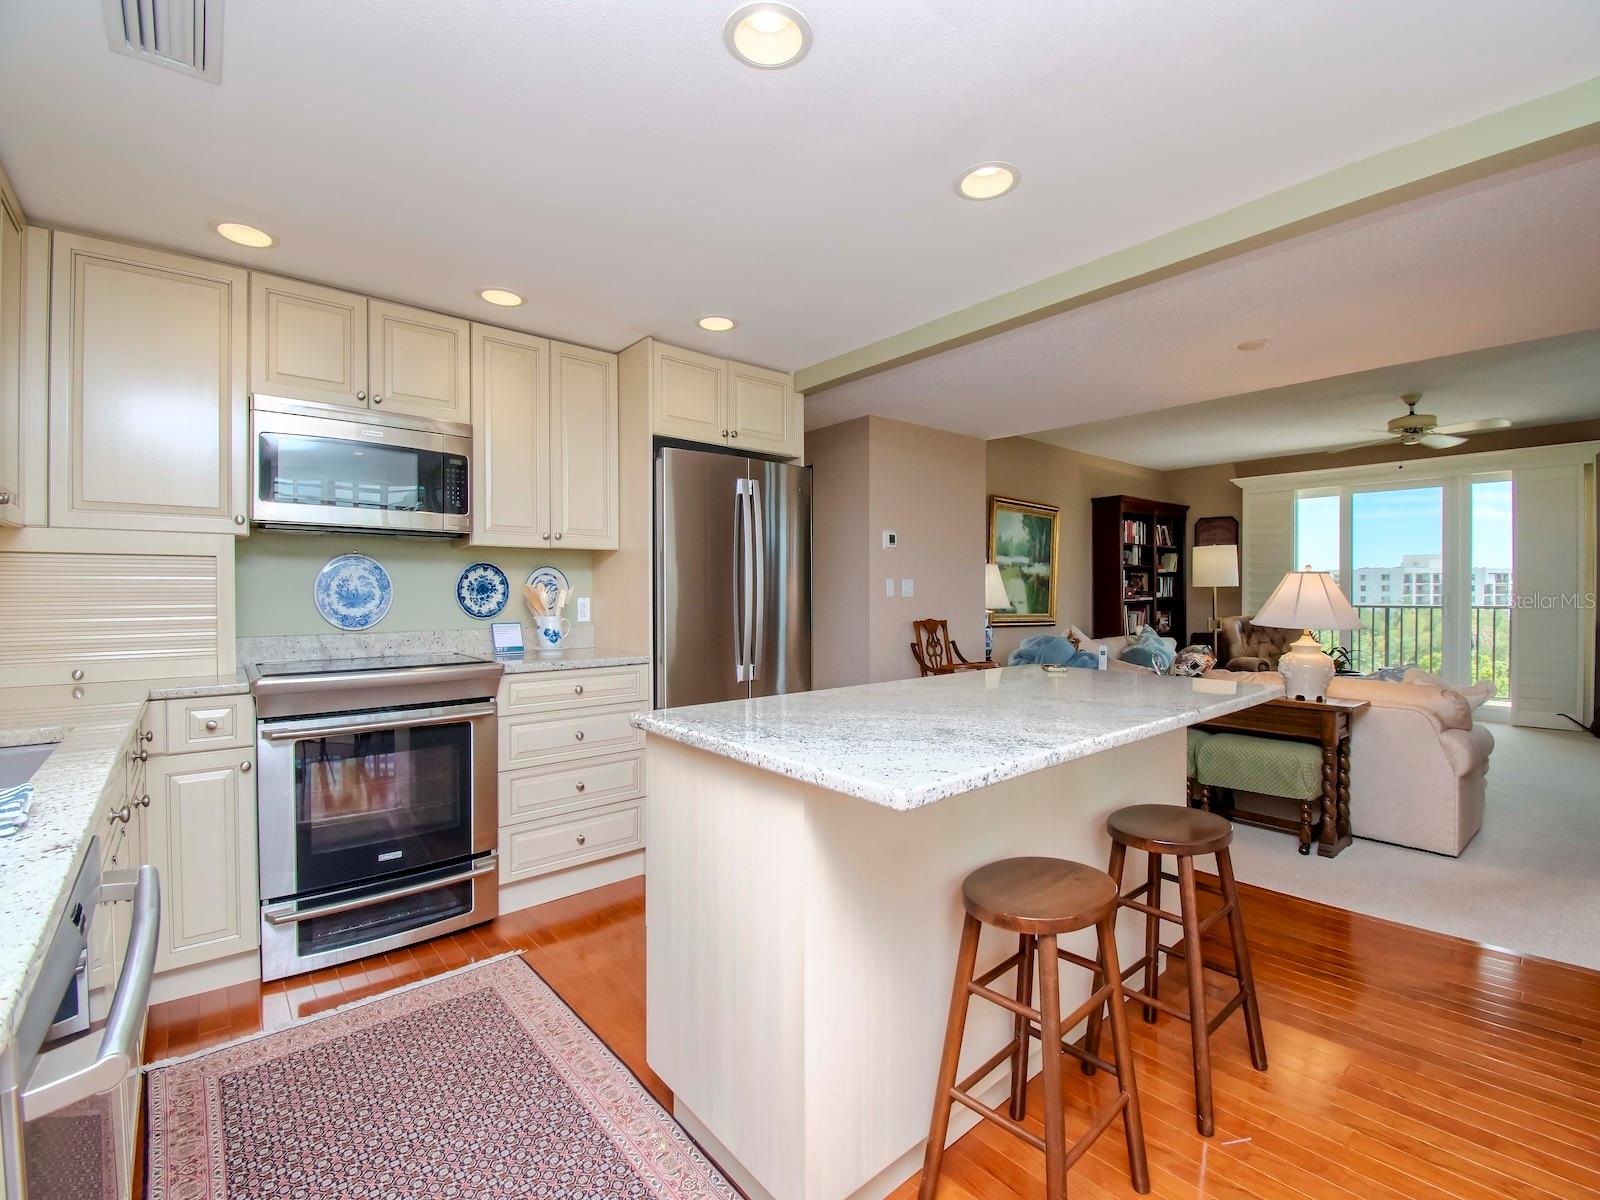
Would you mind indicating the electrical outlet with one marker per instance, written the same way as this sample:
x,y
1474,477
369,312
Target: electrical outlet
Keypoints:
x,y
583,609
891,539
908,588
888,588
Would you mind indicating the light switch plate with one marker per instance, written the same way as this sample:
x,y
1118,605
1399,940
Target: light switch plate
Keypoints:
x,y
888,588
891,539
908,588
583,609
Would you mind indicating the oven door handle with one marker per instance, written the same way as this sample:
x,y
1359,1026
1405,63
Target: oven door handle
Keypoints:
x,y
119,1044
294,732
287,915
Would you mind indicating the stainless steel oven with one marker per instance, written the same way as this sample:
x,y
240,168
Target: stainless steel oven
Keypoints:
x,y
377,805
368,472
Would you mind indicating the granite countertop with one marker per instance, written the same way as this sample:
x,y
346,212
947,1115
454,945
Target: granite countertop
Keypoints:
x,y
572,660
39,864
916,741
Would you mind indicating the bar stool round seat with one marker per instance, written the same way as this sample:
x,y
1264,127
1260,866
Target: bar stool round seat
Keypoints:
x,y
1039,895
1168,829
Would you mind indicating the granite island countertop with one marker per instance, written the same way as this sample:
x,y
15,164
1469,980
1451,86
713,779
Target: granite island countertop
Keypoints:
x,y
912,742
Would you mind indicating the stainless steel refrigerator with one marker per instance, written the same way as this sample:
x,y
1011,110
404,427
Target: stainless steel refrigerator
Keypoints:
x,y
733,577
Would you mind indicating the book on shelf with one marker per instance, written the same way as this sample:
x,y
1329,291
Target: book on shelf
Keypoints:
x,y
1134,619
1135,533
1168,561
1163,621
1165,586
1164,535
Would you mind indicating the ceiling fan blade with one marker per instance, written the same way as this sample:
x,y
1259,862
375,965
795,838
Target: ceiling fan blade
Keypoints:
x,y
1383,441
1475,426
1441,441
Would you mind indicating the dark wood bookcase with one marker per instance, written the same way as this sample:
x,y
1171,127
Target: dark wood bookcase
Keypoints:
x,y
1141,566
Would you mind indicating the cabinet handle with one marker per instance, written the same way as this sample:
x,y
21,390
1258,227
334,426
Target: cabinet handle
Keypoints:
x,y
361,395
580,785
582,839
245,766
724,433
78,674
558,537
123,814
238,519
149,735
734,434
140,756
377,399
142,802
579,735
211,726
77,693
5,497
577,689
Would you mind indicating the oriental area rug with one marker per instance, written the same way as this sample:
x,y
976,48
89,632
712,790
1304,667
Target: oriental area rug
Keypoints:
x,y
478,1085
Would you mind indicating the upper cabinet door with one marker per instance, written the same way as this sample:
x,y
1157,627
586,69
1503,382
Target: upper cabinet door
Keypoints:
x,y
147,390
583,447
419,362
762,413
510,442
11,256
690,394
307,342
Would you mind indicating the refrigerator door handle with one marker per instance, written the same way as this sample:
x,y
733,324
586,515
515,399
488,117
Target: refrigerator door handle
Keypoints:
x,y
758,552
741,584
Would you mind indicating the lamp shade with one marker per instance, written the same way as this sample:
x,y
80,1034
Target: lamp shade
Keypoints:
x,y
1214,566
1307,600
994,589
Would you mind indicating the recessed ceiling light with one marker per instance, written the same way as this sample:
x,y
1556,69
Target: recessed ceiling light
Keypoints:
x,y
988,180
1253,344
245,235
768,36
716,324
501,297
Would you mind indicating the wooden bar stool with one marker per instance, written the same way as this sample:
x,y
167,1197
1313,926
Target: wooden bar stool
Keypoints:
x,y
1183,833
1039,899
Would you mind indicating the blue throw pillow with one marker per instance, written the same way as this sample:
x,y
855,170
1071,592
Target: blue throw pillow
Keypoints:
x,y
1043,648
1150,649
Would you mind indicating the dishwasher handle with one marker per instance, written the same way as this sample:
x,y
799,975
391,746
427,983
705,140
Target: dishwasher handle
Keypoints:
x,y
119,1043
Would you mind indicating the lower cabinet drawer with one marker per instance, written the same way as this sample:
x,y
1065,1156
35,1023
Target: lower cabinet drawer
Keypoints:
x,y
541,847
538,792
209,723
535,740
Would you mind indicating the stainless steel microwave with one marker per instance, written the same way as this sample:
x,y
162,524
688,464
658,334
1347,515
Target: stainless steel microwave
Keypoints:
x,y
328,471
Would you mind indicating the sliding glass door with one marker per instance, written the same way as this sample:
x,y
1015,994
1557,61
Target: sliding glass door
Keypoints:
x,y
1397,578
1489,650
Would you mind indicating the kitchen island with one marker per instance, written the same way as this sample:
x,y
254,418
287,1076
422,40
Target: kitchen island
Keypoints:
x,y
805,856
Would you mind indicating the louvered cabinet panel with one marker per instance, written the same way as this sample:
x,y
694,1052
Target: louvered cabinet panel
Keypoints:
x,y
147,390
1268,550
112,616
11,257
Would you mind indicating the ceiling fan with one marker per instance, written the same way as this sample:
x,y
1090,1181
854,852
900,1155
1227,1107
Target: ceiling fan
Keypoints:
x,y
1423,429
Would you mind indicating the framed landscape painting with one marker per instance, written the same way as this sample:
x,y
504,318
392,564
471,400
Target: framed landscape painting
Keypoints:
x,y
1024,539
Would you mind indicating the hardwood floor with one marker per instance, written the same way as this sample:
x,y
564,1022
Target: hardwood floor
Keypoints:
x,y
1405,1064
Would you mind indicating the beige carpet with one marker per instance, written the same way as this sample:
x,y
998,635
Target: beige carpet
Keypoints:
x,y
1528,883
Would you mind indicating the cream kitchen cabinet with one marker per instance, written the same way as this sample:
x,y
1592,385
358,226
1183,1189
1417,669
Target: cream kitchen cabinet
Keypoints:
x,y
307,343
12,252
704,399
148,356
544,418
419,363
201,837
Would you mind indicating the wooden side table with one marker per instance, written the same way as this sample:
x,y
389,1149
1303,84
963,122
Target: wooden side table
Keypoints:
x,y
1327,724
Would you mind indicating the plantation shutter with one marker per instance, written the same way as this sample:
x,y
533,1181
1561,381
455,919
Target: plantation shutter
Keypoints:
x,y
1268,549
1548,614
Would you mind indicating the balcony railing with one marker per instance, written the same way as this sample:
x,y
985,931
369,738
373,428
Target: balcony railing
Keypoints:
x,y
1394,635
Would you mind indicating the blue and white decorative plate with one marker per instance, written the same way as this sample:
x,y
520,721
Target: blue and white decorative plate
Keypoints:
x,y
482,590
353,592
552,580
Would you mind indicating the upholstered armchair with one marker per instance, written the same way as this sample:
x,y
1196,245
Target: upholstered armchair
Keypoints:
x,y
1244,646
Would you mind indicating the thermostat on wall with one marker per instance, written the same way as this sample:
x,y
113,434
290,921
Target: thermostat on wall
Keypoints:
x,y
891,539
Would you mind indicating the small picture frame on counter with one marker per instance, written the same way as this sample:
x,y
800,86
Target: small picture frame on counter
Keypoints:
x,y
507,638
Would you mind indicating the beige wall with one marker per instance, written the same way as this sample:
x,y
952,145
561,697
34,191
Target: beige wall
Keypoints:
x,y
1028,470
873,474
1209,492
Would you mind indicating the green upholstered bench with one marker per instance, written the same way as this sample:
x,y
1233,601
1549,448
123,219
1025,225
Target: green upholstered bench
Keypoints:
x,y
1246,763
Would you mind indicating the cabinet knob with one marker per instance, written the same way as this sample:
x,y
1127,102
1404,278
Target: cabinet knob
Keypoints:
x,y
123,814
558,537
246,766
377,399
149,735
579,735
577,689
141,756
580,785
582,839
78,674
143,802
238,519
724,433
77,693
734,434
211,726
361,395
5,497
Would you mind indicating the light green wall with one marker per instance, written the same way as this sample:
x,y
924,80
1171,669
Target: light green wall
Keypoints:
x,y
275,573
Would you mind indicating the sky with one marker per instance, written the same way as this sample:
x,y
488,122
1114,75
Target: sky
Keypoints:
x,y
1386,526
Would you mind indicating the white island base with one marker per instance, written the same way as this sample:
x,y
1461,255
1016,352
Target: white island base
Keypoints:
x,y
801,946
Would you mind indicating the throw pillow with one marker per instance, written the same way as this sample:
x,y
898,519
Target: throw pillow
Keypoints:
x,y
1150,649
1193,661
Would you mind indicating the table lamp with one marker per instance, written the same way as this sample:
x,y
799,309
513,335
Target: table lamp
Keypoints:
x,y
994,600
1214,567
1307,600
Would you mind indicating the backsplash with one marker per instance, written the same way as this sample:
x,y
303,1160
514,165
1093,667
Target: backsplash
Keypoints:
x,y
274,573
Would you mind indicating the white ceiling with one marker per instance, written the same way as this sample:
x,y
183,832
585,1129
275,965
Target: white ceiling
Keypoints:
x,y
610,159
1534,383
1507,259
